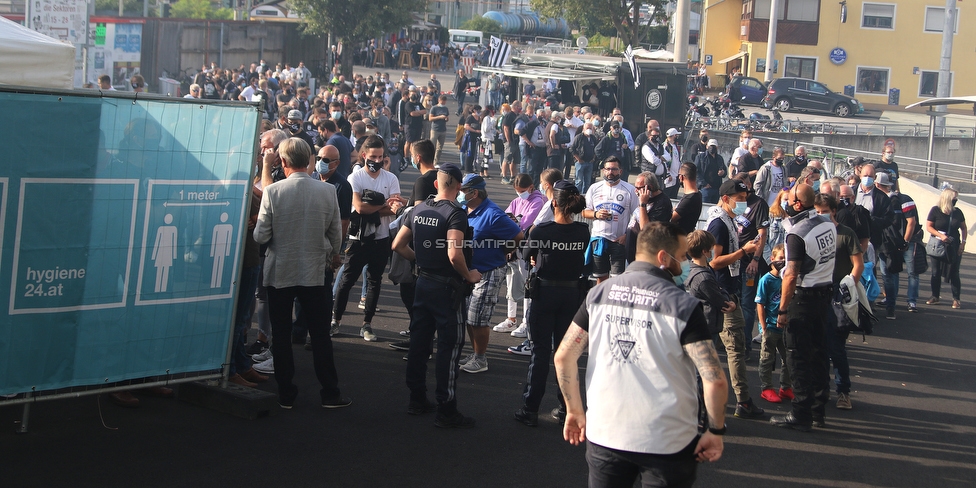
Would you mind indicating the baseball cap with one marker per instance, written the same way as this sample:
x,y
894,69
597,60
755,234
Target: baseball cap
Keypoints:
x,y
473,181
615,124
883,179
565,185
673,132
712,142
733,187
452,169
295,115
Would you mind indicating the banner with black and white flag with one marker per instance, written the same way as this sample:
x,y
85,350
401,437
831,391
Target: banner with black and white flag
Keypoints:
x,y
500,52
629,54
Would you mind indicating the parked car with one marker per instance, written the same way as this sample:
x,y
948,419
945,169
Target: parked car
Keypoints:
x,y
803,94
750,91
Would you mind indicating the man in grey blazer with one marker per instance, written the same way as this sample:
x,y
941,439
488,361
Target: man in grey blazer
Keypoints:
x,y
299,221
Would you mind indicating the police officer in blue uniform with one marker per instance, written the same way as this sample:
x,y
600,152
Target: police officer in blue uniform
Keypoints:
x,y
437,230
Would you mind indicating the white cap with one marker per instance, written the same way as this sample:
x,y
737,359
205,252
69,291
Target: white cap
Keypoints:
x,y
712,142
673,132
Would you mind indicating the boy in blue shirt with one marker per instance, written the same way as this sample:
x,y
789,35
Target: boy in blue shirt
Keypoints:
x,y
768,296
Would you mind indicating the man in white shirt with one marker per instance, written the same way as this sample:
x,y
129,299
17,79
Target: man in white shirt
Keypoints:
x,y
369,231
610,205
739,152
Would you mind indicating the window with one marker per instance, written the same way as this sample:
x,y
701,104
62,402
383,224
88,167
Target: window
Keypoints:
x,y
801,67
928,86
935,19
878,16
817,88
872,80
802,10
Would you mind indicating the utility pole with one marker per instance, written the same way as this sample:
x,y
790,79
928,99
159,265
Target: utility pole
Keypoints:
x,y
945,63
771,42
681,30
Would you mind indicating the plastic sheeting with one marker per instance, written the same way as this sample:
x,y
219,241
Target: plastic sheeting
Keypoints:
x,y
29,58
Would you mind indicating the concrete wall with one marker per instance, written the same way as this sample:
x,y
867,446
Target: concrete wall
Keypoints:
x,y
927,197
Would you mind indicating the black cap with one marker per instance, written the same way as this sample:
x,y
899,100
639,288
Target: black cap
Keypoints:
x,y
453,170
733,187
565,185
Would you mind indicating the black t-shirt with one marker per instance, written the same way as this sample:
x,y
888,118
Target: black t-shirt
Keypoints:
x,y
904,208
749,163
755,218
940,221
689,210
891,169
416,121
659,209
343,194
558,249
607,97
794,167
847,246
431,221
721,233
855,217
509,121
424,186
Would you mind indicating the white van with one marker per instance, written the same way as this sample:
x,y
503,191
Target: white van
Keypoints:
x,y
464,38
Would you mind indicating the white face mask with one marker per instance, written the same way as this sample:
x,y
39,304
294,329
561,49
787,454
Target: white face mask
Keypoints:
x,y
588,132
524,195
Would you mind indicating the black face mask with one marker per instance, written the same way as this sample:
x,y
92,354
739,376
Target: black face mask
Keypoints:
x,y
779,265
704,139
373,166
954,200
656,138
792,212
778,161
712,150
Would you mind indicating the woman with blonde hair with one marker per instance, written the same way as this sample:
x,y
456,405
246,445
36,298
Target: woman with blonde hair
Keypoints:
x,y
947,223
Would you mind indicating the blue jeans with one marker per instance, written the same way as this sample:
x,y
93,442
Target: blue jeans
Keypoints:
x,y
748,302
584,174
524,162
239,360
709,195
837,352
891,280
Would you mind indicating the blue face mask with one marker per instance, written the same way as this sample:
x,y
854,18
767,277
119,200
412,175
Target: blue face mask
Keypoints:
x,y
462,198
784,203
868,182
760,151
816,185
685,271
740,208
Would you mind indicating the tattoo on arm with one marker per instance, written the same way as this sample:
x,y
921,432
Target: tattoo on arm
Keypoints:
x,y
705,357
576,343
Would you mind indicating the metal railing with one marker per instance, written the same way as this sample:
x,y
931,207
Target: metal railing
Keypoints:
x,y
864,128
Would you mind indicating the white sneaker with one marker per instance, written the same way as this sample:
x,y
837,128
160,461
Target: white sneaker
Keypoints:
x,y
334,328
265,367
362,304
367,333
261,356
523,349
521,331
466,359
475,365
507,326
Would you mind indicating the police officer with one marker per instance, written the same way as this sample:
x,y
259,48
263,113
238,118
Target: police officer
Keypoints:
x,y
437,231
556,249
811,246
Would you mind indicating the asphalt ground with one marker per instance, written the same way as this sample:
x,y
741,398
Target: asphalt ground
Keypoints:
x,y
913,422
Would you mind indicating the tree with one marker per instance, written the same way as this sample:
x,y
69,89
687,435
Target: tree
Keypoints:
x,y
199,9
601,15
354,21
130,7
482,24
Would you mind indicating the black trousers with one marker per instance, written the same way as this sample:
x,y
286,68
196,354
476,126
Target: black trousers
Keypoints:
x,y
434,312
374,255
807,351
316,302
620,469
549,317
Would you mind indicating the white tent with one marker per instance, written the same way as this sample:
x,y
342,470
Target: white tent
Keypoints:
x,y
29,58
659,55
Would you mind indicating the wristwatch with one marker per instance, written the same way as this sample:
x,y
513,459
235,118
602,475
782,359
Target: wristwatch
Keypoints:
x,y
721,431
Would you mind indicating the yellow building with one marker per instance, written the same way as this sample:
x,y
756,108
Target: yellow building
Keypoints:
x,y
880,46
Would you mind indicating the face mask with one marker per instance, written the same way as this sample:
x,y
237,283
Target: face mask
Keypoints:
x,y
612,177
954,200
740,208
792,212
293,127
868,182
704,139
816,185
778,265
668,267
783,203
778,161
888,157
462,198
845,201
656,138
336,115
370,132
373,166
524,195
587,132
760,151
685,271
801,158
712,150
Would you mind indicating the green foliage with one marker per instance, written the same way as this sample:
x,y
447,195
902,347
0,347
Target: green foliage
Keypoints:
x,y
606,17
482,24
133,7
199,9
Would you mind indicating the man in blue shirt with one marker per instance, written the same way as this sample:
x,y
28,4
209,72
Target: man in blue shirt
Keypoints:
x,y
495,237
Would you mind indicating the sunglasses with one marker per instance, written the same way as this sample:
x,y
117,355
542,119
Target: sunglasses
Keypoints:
x,y
327,160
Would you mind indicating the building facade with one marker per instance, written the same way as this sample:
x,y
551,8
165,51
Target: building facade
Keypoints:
x,y
880,52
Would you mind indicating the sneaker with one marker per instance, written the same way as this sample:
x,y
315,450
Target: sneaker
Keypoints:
x,y
337,403
912,308
265,367
559,413
932,301
420,408
890,314
521,331
405,333
367,333
475,365
456,421
308,343
362,304
844,401
788,421
467,359
262,357
786,393
956,304
526,417
256,347
757,339
819,422
748,410
523,349
507,326
400,346
334,328
770,396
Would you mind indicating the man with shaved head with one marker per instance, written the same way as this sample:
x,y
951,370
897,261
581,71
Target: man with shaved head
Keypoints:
x,y
811,245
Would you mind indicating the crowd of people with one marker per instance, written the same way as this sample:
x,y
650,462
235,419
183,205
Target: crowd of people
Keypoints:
x,y
596,263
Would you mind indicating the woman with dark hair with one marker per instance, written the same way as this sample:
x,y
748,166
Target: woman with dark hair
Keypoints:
x,y
555,251
947,224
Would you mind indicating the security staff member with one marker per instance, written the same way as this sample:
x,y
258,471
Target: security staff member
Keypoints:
x,y
437,233
811,247
556,249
